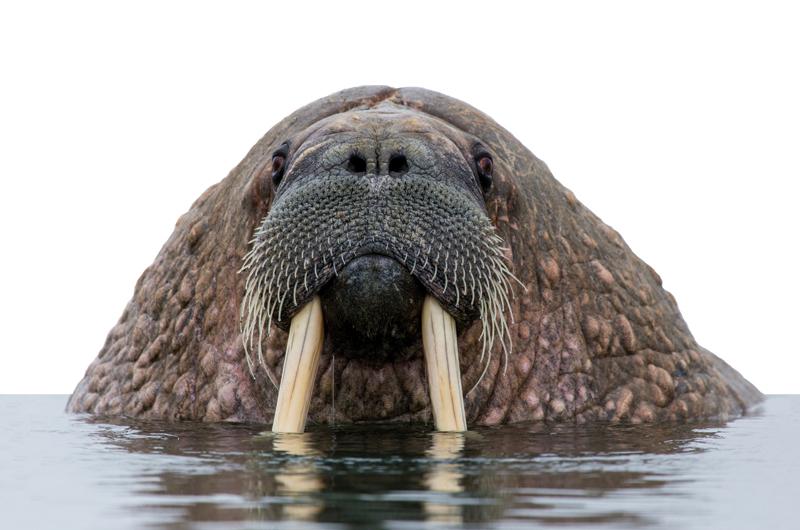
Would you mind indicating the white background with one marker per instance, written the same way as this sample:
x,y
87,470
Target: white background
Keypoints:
x,y
679,125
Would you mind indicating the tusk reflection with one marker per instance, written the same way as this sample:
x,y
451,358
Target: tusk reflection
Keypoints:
x,y
444,478
299,481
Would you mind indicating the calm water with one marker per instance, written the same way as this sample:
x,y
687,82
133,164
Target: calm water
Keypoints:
x,y
61,471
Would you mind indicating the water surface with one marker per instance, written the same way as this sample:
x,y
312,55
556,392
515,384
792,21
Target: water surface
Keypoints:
x,y
64,471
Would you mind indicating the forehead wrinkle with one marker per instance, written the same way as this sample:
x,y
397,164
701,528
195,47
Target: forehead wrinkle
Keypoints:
x,y
307,151
377,125
317,140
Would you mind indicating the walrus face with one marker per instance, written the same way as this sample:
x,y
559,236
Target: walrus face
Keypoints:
x,y
378,227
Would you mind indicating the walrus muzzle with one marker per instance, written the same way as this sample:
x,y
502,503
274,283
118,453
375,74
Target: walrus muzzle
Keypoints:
x,y
323,219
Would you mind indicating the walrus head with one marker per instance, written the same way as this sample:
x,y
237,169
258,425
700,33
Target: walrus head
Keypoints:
x,y
376,211
380,227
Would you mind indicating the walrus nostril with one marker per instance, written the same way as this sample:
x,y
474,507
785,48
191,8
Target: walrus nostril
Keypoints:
x,y
398,165
357,164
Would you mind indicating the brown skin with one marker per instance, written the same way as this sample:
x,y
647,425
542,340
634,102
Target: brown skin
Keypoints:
x,y
595,337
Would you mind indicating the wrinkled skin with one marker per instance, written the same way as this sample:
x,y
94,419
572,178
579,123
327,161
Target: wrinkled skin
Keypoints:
x,y
595,336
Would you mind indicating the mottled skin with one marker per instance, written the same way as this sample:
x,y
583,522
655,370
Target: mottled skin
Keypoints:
x,y
595,337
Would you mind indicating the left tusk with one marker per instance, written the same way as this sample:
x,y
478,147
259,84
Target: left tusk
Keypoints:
x,y
444,372
299,368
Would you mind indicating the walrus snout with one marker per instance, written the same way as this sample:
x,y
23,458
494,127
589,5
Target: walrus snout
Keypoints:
x,y
377,247
373,306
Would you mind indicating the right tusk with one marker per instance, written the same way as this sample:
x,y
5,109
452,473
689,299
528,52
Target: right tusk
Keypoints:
x,y
300,365
444,373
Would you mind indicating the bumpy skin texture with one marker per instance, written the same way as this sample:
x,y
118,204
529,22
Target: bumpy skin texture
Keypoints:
x,y
595,337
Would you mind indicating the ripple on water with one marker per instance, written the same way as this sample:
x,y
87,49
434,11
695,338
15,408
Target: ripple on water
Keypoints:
x,y
81,472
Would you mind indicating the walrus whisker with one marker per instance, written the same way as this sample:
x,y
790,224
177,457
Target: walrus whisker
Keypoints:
x,y
261,360
484,352
444,272
472,285
249,362
483,373
455,284
475,263
414,267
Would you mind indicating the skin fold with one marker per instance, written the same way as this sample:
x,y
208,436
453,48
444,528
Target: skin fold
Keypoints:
x,y
594,336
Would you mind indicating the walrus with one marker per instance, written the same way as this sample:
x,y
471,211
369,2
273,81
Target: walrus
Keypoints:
x,y
395,255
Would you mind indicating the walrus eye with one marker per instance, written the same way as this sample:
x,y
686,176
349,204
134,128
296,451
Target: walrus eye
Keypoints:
x,y
485,168
278,165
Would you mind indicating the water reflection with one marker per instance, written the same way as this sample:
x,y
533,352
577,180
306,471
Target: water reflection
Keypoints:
x,y
443,479
299,479
365,476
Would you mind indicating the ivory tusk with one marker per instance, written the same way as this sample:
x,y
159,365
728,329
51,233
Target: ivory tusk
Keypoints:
x,y
300,365
444,373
